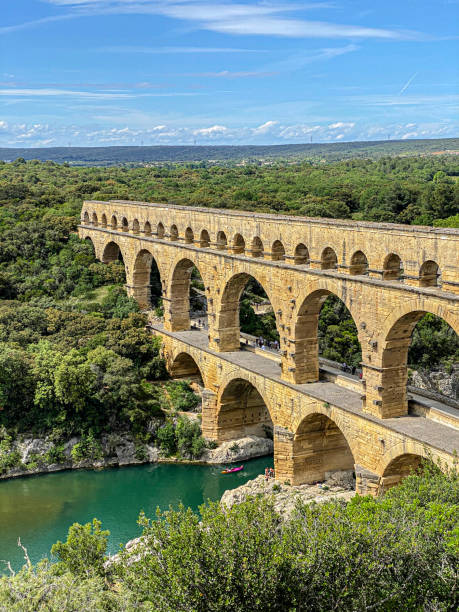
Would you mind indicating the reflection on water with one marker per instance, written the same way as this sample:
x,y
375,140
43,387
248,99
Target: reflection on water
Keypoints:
x,y
40,509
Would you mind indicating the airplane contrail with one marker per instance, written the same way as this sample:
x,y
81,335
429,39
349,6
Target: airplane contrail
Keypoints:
x,y
408,83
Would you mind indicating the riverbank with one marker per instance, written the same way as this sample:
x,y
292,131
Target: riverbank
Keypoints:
x,y
338,485
33,455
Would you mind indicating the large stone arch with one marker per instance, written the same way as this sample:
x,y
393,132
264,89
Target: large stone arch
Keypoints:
x,y
184,365
242,409
141,276
305,356
403,459
321,445
227,328
177,301
387,376
111,249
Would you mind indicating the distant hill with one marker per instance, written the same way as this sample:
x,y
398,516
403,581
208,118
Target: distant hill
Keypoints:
x,y
108,156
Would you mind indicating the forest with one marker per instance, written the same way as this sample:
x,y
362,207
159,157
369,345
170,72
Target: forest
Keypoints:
x,y
65,318
211,154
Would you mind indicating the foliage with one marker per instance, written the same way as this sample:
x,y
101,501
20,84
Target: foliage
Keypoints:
x,y
182,436
180,395
87,448
397,552
83,552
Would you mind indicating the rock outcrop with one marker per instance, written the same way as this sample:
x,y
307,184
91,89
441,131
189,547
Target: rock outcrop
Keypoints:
x,y
339,485
438,381
239,450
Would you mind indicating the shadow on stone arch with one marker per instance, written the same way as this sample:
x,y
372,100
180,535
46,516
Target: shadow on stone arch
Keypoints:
x,y
245,307
319,447
242,411
147,280
325,327
184,366
187,296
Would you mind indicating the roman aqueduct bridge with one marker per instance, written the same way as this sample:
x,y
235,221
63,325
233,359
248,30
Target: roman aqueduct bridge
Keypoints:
x,y
387,275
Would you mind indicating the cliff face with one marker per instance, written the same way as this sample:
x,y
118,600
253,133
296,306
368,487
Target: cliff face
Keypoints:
x,y
438,381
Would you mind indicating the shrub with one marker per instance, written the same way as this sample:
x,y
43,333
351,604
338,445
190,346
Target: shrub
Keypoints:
x,y
83,552
87,448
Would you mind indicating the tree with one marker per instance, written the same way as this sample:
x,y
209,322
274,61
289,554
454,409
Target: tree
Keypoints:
x,y
83,553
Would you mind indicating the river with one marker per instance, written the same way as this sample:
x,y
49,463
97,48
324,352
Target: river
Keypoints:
x,y
41,508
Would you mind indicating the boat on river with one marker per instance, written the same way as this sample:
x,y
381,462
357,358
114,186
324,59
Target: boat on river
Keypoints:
x,y
232,470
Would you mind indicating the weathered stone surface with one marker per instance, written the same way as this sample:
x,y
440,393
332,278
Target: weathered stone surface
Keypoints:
x,y
438,381
299,262
239,450
32,446
286,497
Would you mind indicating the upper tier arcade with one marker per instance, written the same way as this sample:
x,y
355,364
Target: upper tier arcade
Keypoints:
x,y
415,255
388,276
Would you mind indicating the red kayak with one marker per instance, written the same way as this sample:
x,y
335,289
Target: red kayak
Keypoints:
x,y
232,470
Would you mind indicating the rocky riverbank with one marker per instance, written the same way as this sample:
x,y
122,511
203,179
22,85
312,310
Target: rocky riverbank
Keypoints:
x,y
30,455
338,485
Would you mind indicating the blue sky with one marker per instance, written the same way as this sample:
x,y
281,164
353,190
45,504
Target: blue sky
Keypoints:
x,y
117,72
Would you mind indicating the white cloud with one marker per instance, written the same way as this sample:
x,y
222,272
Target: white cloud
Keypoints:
x,y
259,18
215,129
265,127
339,125
269,132
88,95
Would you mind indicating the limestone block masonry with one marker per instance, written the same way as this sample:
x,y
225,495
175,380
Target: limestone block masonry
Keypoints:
x,y
388,276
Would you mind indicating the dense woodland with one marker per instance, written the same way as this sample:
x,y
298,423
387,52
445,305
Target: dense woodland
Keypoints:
x,y
75,356
211,154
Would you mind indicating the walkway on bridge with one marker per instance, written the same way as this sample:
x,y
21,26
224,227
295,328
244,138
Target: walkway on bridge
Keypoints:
x,y
422,430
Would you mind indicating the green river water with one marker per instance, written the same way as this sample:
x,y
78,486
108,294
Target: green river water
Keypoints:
x,y
41,508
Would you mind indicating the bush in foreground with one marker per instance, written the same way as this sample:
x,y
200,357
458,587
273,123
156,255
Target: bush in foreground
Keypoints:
x,y
399,552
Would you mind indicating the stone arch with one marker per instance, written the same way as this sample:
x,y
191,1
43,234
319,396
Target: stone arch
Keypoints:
x,y
103,220
124,225
359,264
145,266
429,274
147,228
222,241
94,219
277,251
183,365
306,325
111,252
400,461
179,294
86,220
242,410
160,231
320,446
114,222
393,354
189,236
136,226
256,248
91,241
238,244
392,267
204,239
173,233
301,257
228,325
328,260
